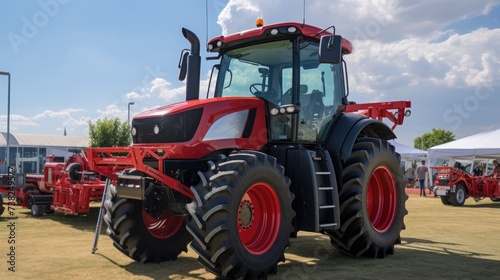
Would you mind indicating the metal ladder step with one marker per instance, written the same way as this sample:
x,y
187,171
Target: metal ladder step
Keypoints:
x,y
325,188
328,225
326,206
323,172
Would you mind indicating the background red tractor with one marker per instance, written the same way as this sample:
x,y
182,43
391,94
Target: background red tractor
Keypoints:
x,y
454,185
66,187
277,150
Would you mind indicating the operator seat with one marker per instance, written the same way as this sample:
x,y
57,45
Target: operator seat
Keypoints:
x,y
316,108
287,96
311,115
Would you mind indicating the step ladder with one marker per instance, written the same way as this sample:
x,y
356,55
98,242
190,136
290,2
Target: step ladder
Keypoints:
x,y
327,191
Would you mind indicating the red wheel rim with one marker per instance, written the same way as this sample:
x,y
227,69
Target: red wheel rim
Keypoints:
x,y
259,217
164,227
381,199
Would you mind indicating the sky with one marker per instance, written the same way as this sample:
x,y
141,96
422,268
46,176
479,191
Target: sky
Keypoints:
x,y
75,61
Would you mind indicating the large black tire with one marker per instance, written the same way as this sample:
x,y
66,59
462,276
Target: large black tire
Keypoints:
x,y
37,210
458,197
141,236
2,208
445,200
73,169
494,199
372,201
242,216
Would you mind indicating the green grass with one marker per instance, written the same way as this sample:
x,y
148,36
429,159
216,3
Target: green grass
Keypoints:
x,y
439,242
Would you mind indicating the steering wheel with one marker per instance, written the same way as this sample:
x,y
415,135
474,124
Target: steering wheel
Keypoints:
x,y
268,93
254,88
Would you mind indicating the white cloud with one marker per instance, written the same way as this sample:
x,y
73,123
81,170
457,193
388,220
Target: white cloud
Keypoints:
x,y
16,122
462,60
66,113
158,87
77,125
241,8
163,89
112,111
384,20
134,96
46,119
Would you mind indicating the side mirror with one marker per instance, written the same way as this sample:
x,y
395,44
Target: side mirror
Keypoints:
x,y
330,49
183,65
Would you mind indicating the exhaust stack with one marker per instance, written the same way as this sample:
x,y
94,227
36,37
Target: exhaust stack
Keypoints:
x,y
193,66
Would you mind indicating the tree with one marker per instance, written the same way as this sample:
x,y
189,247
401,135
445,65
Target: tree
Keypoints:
x,y
438,136
109,132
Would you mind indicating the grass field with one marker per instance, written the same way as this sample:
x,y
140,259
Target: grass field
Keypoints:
x,y
440,241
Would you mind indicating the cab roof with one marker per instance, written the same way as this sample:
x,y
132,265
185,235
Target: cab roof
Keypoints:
x,y
270,33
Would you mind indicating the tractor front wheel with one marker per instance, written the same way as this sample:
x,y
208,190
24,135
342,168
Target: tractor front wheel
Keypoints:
x,y
37,210
242,216
372,201
445,200
73,170
139,235
458,197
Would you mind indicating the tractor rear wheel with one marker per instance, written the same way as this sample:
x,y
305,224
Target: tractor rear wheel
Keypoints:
x,y
139,235
242,216
2,208
458,197
372,201
445,200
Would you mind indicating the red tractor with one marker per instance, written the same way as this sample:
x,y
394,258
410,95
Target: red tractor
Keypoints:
x,y
62,187
274,152
454,185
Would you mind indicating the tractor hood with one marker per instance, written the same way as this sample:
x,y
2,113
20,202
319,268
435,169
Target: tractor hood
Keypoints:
x,y
204,125
167,109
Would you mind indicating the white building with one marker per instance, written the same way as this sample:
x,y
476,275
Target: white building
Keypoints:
x,y
27,151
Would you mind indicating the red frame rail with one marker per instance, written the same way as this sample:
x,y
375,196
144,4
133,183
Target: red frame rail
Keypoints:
x,y
111,160
381,110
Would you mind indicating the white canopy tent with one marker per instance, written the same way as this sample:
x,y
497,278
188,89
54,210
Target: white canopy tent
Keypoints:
x,y
407,152
484,145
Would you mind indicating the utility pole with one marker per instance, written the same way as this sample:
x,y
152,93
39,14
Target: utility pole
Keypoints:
x,y
7,160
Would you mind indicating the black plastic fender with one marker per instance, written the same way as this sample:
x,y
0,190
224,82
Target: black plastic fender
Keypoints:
x,y
347,127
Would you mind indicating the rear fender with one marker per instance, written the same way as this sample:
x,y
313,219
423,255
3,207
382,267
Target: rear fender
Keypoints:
x,y
344,132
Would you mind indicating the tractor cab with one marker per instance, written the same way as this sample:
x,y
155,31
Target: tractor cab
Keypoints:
x,y
281,64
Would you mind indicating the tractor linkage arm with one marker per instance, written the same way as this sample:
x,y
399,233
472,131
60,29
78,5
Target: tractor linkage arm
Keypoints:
x,y
381,110
110,161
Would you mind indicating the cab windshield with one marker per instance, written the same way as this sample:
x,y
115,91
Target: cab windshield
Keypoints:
x,y
266,71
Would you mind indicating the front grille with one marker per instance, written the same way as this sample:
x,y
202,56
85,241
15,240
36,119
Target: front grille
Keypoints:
x,y
443,182
179,127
